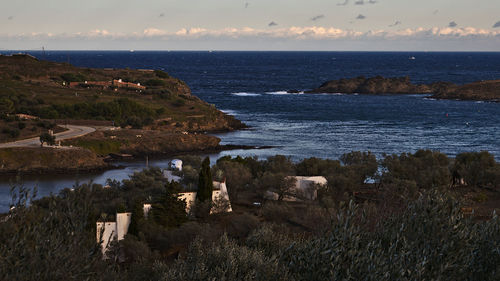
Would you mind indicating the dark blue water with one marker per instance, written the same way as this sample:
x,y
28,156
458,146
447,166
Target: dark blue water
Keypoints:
x,y
251,86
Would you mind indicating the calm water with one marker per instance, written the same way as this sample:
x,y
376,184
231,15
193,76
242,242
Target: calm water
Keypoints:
x,y
252,85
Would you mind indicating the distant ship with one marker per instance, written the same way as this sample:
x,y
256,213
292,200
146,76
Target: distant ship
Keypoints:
x,y
412,58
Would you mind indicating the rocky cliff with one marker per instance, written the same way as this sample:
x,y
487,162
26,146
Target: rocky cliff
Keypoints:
x,y
374,85
482,90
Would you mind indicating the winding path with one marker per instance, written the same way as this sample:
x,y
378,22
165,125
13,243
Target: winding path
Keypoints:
x,y
72,132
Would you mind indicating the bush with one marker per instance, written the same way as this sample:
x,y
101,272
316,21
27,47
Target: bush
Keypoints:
x,y
428,169
161,74
155,83
47,138
72,77
14,133
476,169
223,260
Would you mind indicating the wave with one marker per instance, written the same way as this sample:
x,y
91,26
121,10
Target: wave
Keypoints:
x,y
243,94
283,93
229,112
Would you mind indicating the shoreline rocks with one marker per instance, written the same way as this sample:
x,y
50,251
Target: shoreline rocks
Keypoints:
x,y
378,85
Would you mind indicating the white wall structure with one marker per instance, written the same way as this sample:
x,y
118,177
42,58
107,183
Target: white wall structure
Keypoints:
x,y
109,231
305,188
220,191
176,164
146,208
170,176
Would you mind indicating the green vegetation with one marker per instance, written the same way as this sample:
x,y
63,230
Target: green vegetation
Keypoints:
x,y
122,111
99,147
161,74
205,184
72,77
36,87
477,169
47,138
399,228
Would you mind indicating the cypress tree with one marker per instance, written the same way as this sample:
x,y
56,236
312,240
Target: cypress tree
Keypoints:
x,y
137,218
205,184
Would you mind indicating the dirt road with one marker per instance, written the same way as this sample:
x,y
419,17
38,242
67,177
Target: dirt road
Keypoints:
x,y
72,132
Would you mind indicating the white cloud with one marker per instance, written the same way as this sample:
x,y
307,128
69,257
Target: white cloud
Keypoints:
x,y
293,33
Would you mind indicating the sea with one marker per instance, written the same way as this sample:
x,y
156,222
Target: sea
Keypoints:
x,y
253,86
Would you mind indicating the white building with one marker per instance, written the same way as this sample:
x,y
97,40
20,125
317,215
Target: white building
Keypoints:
x,y
107,232
176,164
305,188
219,192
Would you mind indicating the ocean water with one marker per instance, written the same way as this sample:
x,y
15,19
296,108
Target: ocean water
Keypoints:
x,y
252,86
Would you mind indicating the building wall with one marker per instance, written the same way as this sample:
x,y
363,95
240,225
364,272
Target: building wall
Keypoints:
x,y
122,223
107,235
220,190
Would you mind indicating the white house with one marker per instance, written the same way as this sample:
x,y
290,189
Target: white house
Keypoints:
x,y
176,164
219,192
107,232
305,188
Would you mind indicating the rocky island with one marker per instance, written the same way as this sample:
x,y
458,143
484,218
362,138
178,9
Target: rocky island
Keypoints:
x,y
135,112
482,90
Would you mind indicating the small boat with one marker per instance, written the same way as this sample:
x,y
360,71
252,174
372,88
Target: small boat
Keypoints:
x,y
412,58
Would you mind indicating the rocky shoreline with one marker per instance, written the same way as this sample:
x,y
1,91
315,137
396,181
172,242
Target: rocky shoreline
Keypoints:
x,y
378,85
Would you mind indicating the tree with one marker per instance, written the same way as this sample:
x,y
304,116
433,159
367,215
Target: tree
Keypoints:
x,y
137,219
476,169
238,177
362,164
6,106
282,184
205,184
48,138
169,211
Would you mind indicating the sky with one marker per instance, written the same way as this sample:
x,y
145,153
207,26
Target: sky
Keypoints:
x,y
312,25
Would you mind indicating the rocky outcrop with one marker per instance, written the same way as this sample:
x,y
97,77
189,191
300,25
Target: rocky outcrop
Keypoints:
x,y
374,85
483,90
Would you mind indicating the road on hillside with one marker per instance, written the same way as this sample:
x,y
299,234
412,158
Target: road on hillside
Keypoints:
x,y
72,132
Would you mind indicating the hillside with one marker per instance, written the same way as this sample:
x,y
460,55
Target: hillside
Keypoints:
x,y
137,98
41,160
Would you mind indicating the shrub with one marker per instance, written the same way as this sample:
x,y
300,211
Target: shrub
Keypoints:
x,y
476,169
223,260
161,74
155,83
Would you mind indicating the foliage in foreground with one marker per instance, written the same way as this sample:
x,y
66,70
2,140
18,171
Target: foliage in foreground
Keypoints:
x,y
430,240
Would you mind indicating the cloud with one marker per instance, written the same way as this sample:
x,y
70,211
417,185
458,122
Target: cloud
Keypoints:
x,y
344,3
497,24
452,24
395,24
161,15
360,17
318,17
272,24
10,18
248,33
363,2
